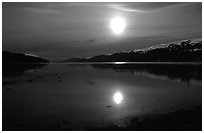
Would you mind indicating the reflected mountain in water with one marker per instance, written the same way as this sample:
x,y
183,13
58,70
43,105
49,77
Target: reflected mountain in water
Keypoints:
x,y
17,69
182,72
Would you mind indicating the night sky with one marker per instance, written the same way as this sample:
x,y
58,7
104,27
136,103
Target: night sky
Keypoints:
x,y
57,31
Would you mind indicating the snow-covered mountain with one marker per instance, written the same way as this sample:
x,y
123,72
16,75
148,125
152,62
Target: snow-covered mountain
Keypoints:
x,y
172,44
30,54
180,51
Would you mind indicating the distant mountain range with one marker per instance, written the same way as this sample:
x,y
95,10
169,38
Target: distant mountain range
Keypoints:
x,y
180,51
12,58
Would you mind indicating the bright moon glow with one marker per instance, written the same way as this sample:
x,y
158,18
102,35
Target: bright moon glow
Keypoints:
x,y
117,25
118,97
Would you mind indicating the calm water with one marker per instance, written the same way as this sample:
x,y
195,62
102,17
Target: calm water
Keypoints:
x,y
78,96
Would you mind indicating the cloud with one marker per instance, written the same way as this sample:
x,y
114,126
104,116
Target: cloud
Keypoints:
x,y
57,7
79,41
40,10
140,7
146,7
90,41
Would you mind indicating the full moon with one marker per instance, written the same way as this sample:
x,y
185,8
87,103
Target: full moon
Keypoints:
x,y
117,25
118,97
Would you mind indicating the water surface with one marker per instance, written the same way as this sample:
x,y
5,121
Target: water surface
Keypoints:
x,y
82,96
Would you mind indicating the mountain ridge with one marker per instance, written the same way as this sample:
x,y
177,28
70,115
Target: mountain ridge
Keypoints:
x,y
177,51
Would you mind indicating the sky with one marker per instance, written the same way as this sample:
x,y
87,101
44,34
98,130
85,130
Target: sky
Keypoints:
x,y
57,31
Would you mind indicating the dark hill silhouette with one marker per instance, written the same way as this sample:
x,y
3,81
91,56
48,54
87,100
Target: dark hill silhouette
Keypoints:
x,y
181,51
9,57
17,63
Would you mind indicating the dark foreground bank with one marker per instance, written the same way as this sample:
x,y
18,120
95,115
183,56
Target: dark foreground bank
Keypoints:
x,y
181,120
